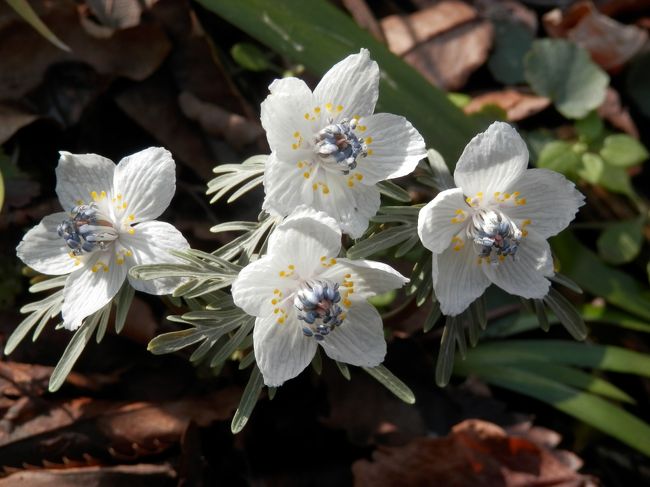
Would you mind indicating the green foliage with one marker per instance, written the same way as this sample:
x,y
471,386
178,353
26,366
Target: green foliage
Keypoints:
x,y
621,150
392,383
249,57
23,9
621,242
318,35
512,40
564,72
248,401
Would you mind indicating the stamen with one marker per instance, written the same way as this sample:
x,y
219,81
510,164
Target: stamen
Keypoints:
x,y
493,231
316,305
87,230
339,145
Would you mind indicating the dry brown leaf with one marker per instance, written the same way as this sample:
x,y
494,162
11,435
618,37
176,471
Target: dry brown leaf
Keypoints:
x,y
610,43
614,113
517,104
364,17
214,120
13,118
140,475
450,58
404,32
475,453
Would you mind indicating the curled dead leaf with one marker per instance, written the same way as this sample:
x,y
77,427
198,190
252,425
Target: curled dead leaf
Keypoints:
x,y
610,43
475,453
613,111
517,104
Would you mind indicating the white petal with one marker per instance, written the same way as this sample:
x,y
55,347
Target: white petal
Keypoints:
x,y
145,182
281,350
351,206
394,147
259,289
359,340
150,244
368,277
288,130
552,201
86,291
78,175
525,275
285,186
442,219
457,278
44,251
491,161
352,84
303,239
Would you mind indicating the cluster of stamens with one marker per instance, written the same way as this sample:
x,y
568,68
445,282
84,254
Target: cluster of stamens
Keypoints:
x,y
316,305
494,233
337,143
86,230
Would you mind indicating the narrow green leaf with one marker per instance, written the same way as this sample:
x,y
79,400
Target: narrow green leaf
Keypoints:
x,y
344,369
72,352
392,190
567,314
589,272
540,312
318,35
432,318
122,305
249,56
392,383
233,344
440,175
381,241
445,361
589,408
248,401
317,362
23,9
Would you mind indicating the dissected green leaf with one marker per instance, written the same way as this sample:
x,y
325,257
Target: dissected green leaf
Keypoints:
x,y
592,275
23,9
559,156
249,57
621,150
565,73
318,35
512,40
621,242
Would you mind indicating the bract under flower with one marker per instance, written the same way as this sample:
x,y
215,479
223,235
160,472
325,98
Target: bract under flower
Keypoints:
x,y
107,229
303,295
328,148
493,227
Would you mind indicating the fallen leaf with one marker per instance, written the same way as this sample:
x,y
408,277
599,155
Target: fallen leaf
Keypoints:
x,y
140,475
612,110
475,453
364,17
517,104
404,32
610,43
238,131
450,58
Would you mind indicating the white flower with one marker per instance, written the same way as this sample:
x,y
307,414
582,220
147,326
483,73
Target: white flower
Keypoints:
x,y
328,149
493,227
109,228
304,296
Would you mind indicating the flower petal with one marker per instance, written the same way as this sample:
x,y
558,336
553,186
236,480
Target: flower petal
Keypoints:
x,y
288,118
394,147
145,183
551,201
526,274
351,87
359,340
368,278
281,350
285,187
44,251
302,239
442,219
87,291
150,244
491,161
457,278
78,175
351,206
258,288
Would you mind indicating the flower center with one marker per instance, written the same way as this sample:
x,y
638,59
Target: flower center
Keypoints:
x,y
492,231
338,145
87,230
316,305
